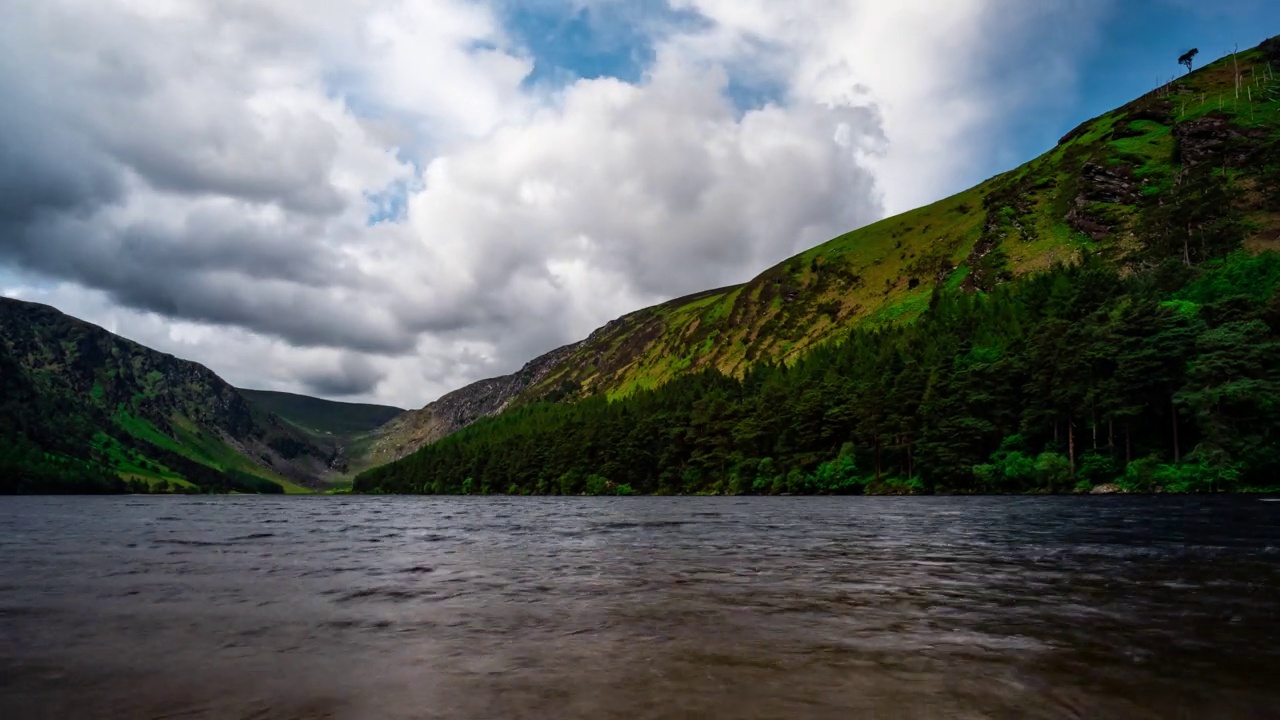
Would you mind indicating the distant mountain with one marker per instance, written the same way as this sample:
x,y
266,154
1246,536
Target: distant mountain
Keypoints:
x,y
1122,187
354,430
84,410
411,430
322,417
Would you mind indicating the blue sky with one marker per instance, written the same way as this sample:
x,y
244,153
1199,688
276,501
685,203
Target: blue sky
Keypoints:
x,y
1134,43
571,41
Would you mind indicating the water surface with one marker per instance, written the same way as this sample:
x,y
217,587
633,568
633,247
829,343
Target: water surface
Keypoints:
x,y
365,607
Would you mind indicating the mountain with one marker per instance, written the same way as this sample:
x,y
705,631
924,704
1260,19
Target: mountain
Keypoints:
x,y
351,428
411,430
1130,186
321,417
84,410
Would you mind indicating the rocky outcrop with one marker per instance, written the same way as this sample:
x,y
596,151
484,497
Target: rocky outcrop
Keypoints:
x,y
1109,184
986,261
1214,138
1080,220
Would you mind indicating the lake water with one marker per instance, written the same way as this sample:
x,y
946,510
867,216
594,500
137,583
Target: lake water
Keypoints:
x,y
367,607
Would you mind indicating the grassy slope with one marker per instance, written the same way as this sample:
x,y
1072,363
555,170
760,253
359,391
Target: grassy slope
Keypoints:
x,y
322,417
190,441
1047,210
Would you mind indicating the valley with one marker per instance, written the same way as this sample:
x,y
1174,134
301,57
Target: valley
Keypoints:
x,y
929,346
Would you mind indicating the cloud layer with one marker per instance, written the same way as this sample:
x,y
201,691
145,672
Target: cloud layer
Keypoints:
x,y
372,200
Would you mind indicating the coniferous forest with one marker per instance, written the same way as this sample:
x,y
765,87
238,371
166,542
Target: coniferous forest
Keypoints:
x,y
1165,379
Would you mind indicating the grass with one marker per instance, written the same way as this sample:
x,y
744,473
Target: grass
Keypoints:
x,y
867,275
130,464
193,443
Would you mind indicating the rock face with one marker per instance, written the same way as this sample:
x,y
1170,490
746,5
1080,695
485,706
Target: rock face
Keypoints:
x,y
1105,489
1108,183
1214,138
460,408
1112,184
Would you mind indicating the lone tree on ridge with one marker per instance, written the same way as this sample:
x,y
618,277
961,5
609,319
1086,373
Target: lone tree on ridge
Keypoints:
x,y
1188,57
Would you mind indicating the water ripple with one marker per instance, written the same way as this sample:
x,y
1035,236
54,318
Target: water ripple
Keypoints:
x,y
354,607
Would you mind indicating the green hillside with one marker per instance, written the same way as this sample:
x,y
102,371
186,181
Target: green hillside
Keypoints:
x,y
1131,186
1104,189
1075,379
321,417
83,410
1166,210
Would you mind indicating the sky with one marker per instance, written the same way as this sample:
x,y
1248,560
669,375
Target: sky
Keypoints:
x,y
384,200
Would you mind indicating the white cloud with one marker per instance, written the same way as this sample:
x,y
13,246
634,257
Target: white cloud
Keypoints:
x,y
938,72
200,175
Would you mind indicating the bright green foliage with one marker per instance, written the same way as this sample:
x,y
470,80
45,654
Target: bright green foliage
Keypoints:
x,y
1053,472
596,485
837,477
1052,383
1244,275
1150,474
1098,467
1010,470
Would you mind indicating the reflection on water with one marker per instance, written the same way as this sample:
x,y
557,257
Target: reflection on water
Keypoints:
x,y
176,607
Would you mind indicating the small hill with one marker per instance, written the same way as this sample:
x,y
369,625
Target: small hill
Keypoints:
x,y
1157,177
321,417
84,410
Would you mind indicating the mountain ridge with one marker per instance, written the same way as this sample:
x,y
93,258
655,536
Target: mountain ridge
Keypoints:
x,y
83,402
1094,192
321,416
484,398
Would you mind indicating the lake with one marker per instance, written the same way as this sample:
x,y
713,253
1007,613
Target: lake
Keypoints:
x,y
406,607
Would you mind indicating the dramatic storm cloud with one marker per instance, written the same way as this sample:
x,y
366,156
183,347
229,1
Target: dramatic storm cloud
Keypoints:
x,y
384,200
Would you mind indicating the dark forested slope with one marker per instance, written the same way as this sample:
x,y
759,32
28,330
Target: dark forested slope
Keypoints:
x,y
83,410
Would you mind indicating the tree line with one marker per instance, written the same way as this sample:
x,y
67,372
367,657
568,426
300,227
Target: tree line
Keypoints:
x,y
1162,379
